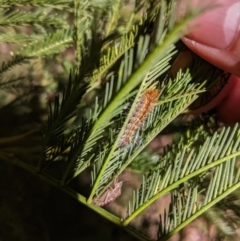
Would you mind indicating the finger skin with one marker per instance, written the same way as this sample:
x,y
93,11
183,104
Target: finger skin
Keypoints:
x,y
217,40
221,58
215,35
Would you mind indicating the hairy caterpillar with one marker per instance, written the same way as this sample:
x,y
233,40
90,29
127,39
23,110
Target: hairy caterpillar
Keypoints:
x,y
143,108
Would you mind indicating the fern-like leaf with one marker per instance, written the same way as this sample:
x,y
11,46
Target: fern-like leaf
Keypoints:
x,y
145,63
54,4
212,153
221,185
60,113
16,38
110,56
51,44
17,60
16,18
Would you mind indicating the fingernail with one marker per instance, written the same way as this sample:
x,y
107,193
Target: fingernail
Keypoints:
x,y
218,27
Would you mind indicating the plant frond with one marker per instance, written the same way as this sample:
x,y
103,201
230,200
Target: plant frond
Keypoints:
x,y
225,214
16,38
17,60
212,153
113,16
220,186
53,151
103,118
145,162
60,112
146,83
51,44
146,63
81,21
169,110
55,4
18,18
216,216
110,56
93,130
83,149
113,157
16,86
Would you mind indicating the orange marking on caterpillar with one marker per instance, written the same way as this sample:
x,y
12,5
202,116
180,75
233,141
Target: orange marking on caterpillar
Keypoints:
x,y
143,108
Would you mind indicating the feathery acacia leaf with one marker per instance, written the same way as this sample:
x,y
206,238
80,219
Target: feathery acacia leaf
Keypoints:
x,y
221,185
55,4
49,45
17,18
17,60
110,57
60,113
16,38
114,15
154,124
163,48
212,153
95,130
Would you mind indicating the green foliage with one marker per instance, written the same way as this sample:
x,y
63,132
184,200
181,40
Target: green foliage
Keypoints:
x,y
174,171
121,61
